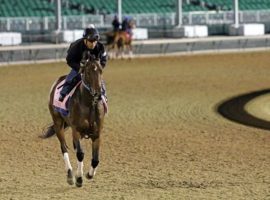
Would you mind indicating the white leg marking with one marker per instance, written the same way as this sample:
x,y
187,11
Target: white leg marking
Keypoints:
x,y
80,169
67,162
130,54
92,171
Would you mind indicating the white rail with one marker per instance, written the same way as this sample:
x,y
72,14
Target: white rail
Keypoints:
x,y
197,40
38,53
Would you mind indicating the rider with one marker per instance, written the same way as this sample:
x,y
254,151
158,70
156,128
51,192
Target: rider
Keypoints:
x,y
126,26
116,24
89,42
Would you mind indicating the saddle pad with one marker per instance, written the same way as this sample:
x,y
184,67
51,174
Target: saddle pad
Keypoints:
x,y
62,107
59,106
128,36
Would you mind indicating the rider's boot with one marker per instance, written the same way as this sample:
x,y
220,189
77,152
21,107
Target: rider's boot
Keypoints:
x,y
71,80
64,91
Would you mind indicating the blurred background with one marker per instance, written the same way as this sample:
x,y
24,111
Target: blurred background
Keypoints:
x,y
32,22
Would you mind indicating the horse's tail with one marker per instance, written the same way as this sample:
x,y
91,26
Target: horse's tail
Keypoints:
x,y
48,130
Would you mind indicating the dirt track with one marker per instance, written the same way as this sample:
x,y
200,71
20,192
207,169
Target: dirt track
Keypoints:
x,y
163,138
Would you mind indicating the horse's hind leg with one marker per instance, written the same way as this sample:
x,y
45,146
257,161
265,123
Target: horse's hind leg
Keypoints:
x,y
95,158
80,156
59,125
120,52
59,129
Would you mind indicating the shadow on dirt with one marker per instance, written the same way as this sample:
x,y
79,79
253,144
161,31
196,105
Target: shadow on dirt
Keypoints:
x,y
233,109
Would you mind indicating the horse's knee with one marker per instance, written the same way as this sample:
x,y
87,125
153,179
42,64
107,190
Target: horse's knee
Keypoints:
x,y
80,156
94,163
64,147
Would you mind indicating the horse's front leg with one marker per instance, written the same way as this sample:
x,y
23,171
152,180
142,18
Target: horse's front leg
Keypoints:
x,y
80,156
95,157
111,51
130,51
117,51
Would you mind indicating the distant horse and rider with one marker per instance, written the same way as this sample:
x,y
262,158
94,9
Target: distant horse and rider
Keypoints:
x,y
119,40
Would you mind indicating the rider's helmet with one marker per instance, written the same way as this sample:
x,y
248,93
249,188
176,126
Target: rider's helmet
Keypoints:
x,y
125,18
91,34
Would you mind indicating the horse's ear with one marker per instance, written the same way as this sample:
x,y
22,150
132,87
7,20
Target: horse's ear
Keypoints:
x,y
82,67
83,63
86,55
98,65
89,55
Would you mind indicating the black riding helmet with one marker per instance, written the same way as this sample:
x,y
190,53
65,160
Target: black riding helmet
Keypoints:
x,y
91,34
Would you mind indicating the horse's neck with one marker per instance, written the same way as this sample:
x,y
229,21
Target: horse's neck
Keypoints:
x,y
86,97
87,100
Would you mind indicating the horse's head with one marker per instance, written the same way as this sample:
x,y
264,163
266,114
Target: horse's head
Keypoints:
x,y
91,73
132,24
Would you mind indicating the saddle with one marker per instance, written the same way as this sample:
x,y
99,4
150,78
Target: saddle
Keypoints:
x,y
63,107
128,36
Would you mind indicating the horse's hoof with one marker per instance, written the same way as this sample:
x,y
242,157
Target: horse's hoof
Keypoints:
x,y
79,181
88,176
70,180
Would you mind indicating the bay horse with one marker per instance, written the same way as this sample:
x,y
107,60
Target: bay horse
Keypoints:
x,y
123,42
86,118
120,41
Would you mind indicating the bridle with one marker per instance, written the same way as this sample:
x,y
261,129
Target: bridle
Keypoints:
x,y
95,95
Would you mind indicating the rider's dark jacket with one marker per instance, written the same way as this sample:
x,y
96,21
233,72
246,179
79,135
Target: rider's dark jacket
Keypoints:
x,y
75,53
125,25
116,25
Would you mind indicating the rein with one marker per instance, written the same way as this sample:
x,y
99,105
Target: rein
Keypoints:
x,y
95,97
88,88
92,110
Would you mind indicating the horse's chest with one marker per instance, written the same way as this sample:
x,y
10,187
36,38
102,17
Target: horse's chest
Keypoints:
x,y
85,125
85,121
82,119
